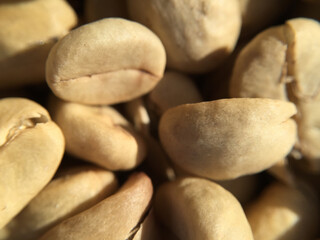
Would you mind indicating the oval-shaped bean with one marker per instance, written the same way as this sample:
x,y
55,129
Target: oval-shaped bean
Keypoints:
x,y
228,138
195,208
31,148
260,68
99,134
28,30
283,212
197,35
113,218
72,192
105,62
283,63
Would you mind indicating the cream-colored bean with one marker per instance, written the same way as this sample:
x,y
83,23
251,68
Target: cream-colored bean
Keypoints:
x,y
195,208
31,148
71,193
197,35
119,61
260,67
285,213
99,134
283,63
113,218
28,30
174,89
105,62
228,138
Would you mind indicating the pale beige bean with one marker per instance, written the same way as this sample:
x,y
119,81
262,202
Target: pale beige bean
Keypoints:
x,y
228,138
285,213
31,148
99,134
28,30
261,69
105,62
71,193
197,35
174,89
304,65
303,36
283,63
195,208
113,218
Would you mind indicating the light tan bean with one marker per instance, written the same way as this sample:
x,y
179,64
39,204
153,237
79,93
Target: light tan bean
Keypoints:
x,y
105,62
195,208
99,134
283,63
228,138
113,218
28,30
197,35
31,148
282,212
71,193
